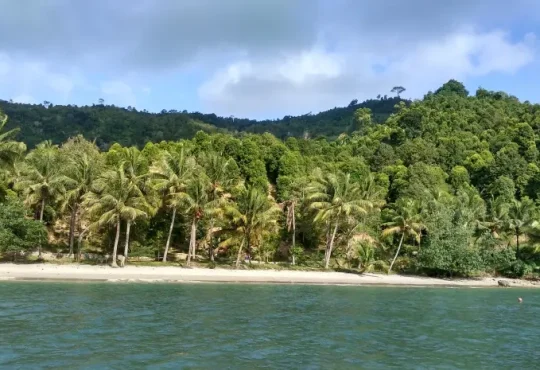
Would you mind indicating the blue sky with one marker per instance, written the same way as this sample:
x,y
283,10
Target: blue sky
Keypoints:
x,y
265,58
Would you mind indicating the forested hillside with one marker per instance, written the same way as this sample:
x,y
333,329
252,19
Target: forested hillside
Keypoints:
x,y
448,185
109,124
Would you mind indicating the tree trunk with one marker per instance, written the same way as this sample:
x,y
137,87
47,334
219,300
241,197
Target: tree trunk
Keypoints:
x,y
327,240
248,250
194,245
42,210
517,243
192,241
126,246
115,248
239,254
293,235
81,235
210,241
331,246
72,230
169,236
397,252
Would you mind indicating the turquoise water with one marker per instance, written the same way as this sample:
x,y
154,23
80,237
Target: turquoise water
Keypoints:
x,y
203,326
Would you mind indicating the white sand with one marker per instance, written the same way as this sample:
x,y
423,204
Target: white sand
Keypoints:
x,y
11,271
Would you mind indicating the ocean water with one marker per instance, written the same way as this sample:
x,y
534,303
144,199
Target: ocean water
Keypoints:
x,y
229,326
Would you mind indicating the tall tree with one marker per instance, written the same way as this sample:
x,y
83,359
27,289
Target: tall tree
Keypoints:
x,y
295,196
83,166
405,219
115,198
335,196
10,149
222,176
251,217
398,90
171,178
520,217
197,205
42,180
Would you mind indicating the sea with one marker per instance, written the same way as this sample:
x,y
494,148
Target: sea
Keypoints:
x,y
55,325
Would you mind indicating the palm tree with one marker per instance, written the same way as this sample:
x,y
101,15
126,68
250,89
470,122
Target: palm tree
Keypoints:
x,y
82,170
251,218
296,196
366,258
114,198
171,177
470,207
520,217
10,150
218,170
336,197
136,208
41,178
405,219
196,201
496,220
290,206
136,167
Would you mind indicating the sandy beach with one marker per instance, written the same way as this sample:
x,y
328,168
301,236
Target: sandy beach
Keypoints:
x,y
49,272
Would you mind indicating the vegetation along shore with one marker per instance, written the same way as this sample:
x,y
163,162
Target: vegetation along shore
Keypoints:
x,y
446,186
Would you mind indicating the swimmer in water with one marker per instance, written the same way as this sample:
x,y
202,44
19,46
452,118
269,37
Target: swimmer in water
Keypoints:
x,y
520,300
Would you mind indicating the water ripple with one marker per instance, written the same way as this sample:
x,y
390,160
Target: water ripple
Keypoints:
x,y
153,326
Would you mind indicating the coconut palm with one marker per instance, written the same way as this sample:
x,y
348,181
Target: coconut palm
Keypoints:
x,y
82,170
470,207
296,196
221,178
496,220
41,179
10,150
335,197
290,206
137,208
114,198
405,219
252,217
520,217
197,205
171,177
136,167
366,258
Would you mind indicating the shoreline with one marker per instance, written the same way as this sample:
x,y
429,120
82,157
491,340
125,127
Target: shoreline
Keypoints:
x,y
167,274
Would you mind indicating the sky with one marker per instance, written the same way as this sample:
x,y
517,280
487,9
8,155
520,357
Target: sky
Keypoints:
x,y
262,58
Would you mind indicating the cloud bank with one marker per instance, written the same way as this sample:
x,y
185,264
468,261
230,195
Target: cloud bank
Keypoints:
x,y
255,58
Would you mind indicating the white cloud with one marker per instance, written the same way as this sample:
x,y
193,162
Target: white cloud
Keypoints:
x,y
118,92
317,78
258,58
21,78
5,65
27,99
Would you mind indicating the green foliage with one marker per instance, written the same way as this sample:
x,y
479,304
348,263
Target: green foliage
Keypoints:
x,y
453,87
446,250
18,233
128,126
447,185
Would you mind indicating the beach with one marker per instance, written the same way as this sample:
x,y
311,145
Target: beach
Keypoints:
x,y
51,272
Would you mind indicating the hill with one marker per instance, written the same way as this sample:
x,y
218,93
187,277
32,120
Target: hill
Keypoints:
x,y
448,185
109,124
